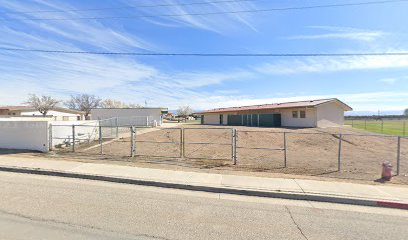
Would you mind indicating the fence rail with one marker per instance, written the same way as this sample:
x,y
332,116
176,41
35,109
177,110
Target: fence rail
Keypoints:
x,y
229,144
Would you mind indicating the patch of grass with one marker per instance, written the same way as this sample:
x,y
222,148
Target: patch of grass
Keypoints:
x,y
390,127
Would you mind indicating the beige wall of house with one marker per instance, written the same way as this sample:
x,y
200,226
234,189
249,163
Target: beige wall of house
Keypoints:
x,y
212,119
329,115
288,119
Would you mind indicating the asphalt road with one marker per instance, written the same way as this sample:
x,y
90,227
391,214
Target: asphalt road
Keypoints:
x,y
41,207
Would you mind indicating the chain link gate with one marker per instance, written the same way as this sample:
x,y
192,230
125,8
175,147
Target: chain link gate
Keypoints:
x,y
162,143
260,149
209,144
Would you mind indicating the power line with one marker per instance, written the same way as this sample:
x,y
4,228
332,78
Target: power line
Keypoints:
x,y
209,13
213,54
131,7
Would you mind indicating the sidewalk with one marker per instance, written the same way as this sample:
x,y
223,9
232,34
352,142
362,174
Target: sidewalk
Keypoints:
x,y
335,192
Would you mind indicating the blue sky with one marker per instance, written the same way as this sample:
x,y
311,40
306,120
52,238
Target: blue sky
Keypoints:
x,y
365,83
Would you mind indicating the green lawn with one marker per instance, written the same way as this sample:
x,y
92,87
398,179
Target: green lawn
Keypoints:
x,y
390,127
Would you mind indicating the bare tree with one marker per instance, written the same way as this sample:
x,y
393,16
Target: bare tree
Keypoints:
x,y
83,102
111,103
42,104
184,111
135,105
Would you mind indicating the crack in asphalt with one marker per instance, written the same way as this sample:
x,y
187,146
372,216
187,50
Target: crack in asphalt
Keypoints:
x,y
296,224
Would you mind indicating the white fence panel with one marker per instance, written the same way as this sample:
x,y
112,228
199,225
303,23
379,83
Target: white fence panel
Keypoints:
x,y
24,135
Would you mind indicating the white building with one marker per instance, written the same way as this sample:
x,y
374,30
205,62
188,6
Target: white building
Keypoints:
x,y
313,113
129,116
26,112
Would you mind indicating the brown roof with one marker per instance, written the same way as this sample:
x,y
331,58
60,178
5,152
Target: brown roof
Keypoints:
x,y
309,103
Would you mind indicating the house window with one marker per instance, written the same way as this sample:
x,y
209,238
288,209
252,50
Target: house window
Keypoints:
x,y
65,118
295,114
302,114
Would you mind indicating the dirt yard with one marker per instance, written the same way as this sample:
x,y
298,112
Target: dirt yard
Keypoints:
x,y
311,152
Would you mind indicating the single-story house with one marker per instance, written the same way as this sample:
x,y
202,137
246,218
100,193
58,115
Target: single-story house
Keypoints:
x,y
312,113
129,116
56,114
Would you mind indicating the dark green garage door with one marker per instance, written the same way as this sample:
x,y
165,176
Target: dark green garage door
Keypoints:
x,y
235,120
254,120
265,120
270,120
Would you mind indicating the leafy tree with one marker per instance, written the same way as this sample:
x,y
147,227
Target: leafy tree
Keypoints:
x,y
84,102
42,104
406,112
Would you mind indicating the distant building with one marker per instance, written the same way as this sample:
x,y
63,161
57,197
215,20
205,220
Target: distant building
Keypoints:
x,y
313,113
57,114
129,116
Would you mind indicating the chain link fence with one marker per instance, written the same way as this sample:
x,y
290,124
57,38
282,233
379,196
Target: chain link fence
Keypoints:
x,y
300,152
397,127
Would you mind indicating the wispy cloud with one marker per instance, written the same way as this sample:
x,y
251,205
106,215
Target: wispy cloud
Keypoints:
x,y
121,77
332,64
219,23
388,80
341,33
85,33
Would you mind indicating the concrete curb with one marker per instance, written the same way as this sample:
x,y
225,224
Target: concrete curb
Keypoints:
x,y
226,190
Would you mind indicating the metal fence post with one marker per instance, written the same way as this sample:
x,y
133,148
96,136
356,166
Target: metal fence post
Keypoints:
x,y
284,149
135,141
50,137
183,143
100,139
382,126
117,127
73,138
365,124
132,141
398,155
403,128
339,154
352,123
234,146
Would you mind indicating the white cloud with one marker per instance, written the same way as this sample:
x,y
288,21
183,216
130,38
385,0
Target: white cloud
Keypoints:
x,y
89,33
219,23
332,64
388,80
120,77
342,33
